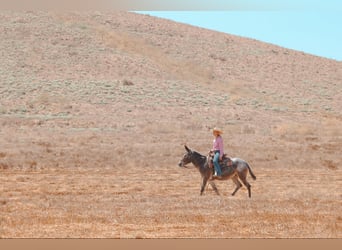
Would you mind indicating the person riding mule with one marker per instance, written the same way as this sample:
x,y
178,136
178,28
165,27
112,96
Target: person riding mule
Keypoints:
x,y
217,153
224,163
236,173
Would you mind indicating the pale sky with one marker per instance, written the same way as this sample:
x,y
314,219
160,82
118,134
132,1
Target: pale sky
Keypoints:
x,y
313,31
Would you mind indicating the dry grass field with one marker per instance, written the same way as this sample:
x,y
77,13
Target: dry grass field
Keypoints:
x,y
95,108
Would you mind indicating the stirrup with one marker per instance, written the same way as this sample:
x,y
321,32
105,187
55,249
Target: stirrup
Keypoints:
x,y
216,175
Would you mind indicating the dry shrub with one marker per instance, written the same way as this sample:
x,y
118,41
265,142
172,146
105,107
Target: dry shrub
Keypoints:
x,y
32,164
3,201
126,82
330,164
4,164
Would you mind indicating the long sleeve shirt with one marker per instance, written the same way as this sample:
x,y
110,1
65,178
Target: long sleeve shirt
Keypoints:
x,y
218,145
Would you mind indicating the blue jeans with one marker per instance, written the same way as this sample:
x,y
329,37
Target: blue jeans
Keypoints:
x,y
216,164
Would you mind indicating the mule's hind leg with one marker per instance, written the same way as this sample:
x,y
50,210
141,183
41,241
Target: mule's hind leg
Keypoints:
x,y
248,187
212,184
243,178
237,183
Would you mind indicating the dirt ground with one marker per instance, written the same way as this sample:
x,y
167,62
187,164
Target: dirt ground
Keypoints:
x,y
95,109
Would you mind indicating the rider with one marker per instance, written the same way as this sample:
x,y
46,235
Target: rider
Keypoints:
x,y
217,150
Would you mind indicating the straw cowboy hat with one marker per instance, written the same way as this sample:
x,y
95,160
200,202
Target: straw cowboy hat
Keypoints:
x,y
217,130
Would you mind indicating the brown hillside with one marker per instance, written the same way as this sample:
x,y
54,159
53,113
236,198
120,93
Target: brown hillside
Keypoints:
x,y
94,108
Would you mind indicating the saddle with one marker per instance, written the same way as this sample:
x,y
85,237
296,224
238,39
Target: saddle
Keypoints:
x,y
225,162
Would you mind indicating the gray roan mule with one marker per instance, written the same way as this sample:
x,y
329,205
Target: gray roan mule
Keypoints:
x,y
236,172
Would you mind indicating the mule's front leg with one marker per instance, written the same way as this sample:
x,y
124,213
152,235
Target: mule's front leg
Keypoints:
x,y
212,184
204,183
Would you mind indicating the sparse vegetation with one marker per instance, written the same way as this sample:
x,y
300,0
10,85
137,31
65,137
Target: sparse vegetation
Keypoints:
x,y
94,109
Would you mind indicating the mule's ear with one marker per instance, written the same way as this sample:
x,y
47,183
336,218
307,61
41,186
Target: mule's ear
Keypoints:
x,y
187,149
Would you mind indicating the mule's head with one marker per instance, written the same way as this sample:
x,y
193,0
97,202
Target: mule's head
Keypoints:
x,y
187,157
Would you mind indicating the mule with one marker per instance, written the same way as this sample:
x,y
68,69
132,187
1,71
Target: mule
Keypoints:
x,y
236,172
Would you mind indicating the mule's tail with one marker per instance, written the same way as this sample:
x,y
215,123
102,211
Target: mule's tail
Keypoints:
x,y
251,172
